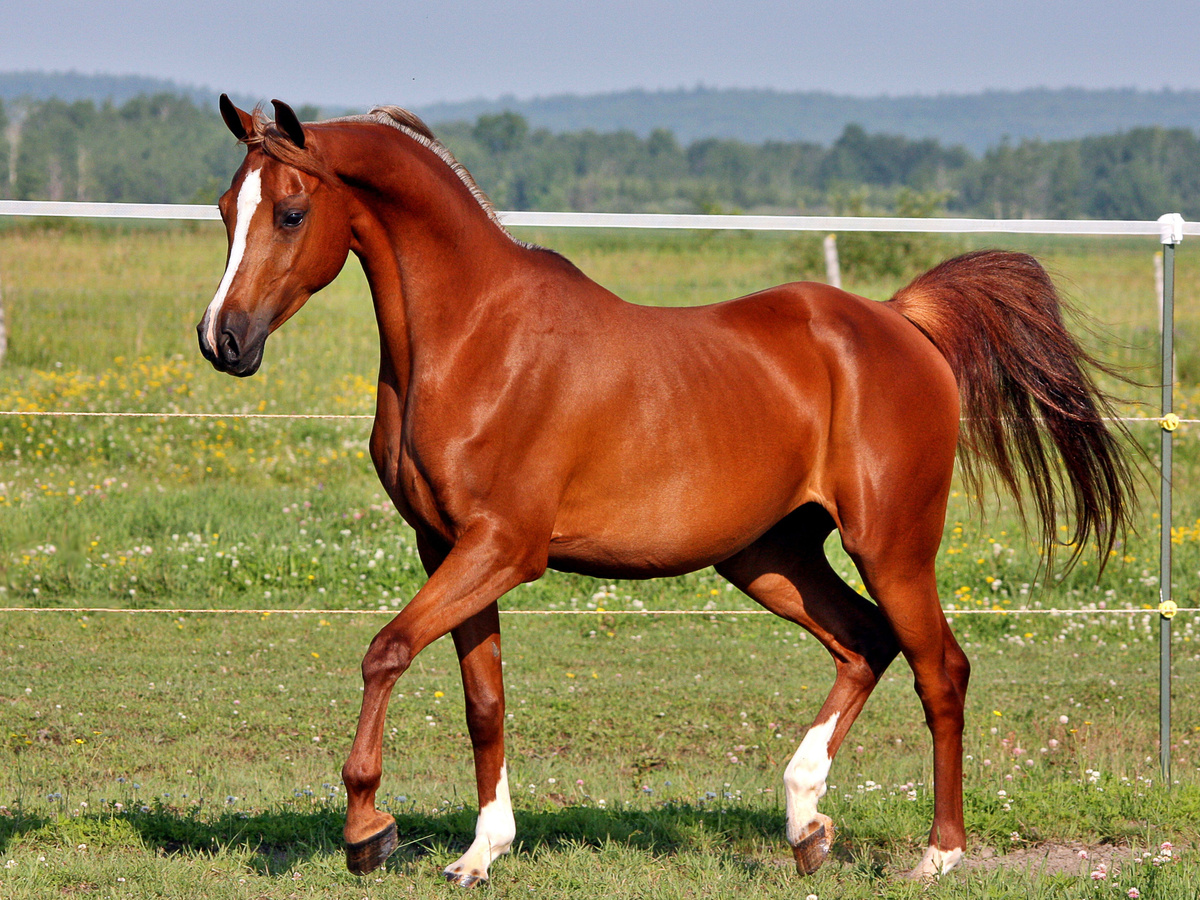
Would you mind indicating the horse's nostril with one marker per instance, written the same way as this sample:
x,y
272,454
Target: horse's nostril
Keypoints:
x,y
228,347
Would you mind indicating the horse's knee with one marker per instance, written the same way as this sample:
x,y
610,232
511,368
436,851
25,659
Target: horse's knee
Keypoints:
x,y
386,660
360,774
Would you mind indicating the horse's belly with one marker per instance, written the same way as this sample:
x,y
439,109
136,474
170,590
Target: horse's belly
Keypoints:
x,y
647,539
641,561
644,555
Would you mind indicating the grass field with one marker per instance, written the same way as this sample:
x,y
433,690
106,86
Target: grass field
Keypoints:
x,y
646,757
177,754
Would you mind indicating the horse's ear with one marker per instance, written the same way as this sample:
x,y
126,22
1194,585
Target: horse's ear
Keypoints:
x,y
288,122
239,122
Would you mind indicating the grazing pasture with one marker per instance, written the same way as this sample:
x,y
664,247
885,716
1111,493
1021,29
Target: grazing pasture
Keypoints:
x,y
176,753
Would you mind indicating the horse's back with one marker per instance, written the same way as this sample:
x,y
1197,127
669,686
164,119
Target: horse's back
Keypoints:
x,y
871,364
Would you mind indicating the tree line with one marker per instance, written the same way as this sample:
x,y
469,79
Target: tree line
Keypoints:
x,y
165,149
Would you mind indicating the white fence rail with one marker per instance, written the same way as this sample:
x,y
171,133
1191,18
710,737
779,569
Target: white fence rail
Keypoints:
x,y
1109,227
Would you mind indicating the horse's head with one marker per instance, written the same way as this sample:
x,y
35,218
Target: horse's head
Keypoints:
x,y
289,235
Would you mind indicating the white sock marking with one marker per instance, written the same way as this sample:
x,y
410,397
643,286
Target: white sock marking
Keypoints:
x,y
494,832
804,779
249,196
938,862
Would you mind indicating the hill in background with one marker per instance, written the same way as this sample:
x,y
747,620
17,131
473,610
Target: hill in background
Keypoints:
x,y
115,89
975,121
166,147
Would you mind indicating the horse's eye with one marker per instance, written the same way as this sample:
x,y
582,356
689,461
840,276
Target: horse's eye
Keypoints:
x,y
293,218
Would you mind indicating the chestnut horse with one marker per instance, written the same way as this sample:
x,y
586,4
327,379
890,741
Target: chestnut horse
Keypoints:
x,y
528,418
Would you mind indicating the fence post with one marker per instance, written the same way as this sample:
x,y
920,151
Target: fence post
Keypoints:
x,y
833,269
3,332
1171,235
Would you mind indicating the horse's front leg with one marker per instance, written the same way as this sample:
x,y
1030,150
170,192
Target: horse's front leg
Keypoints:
x,y
481,568
478,644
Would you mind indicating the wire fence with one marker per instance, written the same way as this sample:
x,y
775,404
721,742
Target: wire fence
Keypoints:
x,y
301,611
93,414
950,611
1170,230
1167,228
1162,421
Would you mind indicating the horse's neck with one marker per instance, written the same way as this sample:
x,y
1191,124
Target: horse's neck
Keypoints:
x,y
437,282
436,262
384,280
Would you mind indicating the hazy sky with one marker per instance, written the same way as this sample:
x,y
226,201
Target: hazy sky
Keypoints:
x,y
398,51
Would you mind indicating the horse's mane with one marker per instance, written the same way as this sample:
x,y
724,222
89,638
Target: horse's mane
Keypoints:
x,y
275,143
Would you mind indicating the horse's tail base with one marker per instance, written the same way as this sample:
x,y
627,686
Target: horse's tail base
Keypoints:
x,y
1027,395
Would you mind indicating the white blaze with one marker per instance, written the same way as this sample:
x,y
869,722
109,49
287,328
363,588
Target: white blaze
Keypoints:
x,y
248,199
494,832
804,779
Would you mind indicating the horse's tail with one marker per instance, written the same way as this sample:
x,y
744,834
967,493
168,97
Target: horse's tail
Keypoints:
x,y
1023,379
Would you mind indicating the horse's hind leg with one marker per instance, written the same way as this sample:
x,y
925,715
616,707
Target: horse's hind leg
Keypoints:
x,y
786,571
906,591
477,642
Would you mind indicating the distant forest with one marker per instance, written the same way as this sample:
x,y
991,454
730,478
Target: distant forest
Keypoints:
x,y
163,148
977,121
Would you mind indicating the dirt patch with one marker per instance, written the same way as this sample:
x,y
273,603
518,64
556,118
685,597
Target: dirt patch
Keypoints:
x,y
1052,859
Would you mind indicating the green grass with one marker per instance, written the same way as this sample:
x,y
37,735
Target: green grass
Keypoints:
x,y
646,749
202,727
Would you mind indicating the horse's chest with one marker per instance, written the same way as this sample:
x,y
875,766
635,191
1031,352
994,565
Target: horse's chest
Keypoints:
x,y
410,490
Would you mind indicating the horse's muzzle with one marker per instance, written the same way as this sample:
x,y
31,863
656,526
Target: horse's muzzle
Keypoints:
x,y
234,354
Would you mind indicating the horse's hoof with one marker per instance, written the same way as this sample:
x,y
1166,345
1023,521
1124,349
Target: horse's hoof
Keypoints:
x,y
812,849
464,879
368,855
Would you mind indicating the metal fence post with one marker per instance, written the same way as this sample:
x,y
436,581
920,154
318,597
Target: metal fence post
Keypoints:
x,y
1172,235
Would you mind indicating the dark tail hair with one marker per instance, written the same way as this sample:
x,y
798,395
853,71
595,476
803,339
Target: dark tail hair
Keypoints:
x,y
1026,392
